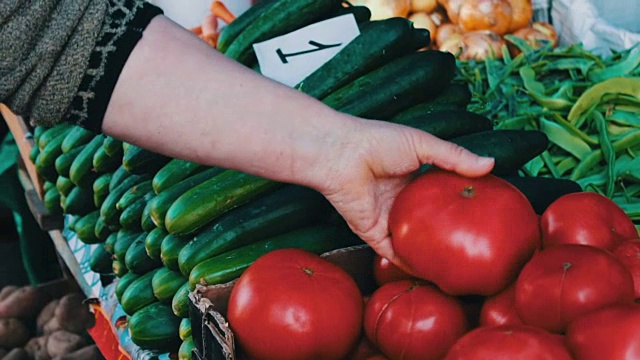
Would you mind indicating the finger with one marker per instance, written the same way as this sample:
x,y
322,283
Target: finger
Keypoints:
x,y
449,156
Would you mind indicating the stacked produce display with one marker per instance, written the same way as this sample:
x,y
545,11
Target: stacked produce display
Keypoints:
x,y
548,116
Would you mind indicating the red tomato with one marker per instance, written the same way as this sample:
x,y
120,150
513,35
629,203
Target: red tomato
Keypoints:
x,y
628,252
468,236
508,342
292,304
585,218
610,333
564,282
364,350
411,320
499,309
384,271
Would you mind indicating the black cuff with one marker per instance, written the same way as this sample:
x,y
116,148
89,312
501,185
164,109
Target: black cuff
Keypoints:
x,y
125,22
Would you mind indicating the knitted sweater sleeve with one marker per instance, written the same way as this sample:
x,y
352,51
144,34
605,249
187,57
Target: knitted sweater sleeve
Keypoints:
x,y
60,59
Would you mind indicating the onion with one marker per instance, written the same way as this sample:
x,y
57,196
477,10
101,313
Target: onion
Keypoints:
x,y
423,5
452,8
452,44
423,20
533,35
522,13
384,9
446,31
439,16
492,15
481,45
548,30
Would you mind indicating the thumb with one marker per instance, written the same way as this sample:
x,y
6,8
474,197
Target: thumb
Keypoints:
x,y
449,156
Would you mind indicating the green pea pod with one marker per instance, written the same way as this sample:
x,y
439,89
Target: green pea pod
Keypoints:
x,y
621,68
607,151
630,140
564,139
593,95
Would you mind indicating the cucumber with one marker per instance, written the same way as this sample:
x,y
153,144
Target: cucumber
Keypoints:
x,y
186,349
155,327
230,265
205,202
103,163
448,124
79,201
173,172
81,171
47,171
72,220
77,137
48,185
170,249
137,160
64,161
110,242
165,284
51,201
37,132
456,96
53,132
100,260
180,301
33,154
282,17
153,242
124,240
361,13
159,206
185,328
139,294
281,211
101,230
113,147
123,283
542,191
136,259
118,177
101,189
132,195
110,214
237,26
51,152
85,228
396,86
118,268
64,185
131,217
145,219
378,43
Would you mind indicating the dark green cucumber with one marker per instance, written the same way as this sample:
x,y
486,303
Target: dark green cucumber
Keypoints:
x,y
281,211
123,283
47,171
448,124
395,86
101,230
79,201
37,132
165,284
51,152
113,147
64,185
33,154
62,200
170,250
361,13
132,195
81,171
101,189
53,132
77,137
131,217
48,185
186,349
100,260
185,328
511,149
282,17
153,242
145,219
205,202
137,260
51,201
139,294
110,214
230,265
155,327
85,228
72,220
64,161
118,177
237,26
137,160
378,43
118,268
180,301
542,191
110,242
124,240
103,163
456,96
173,172
159,206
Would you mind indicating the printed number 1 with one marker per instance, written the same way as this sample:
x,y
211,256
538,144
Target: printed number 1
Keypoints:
x,y
318,46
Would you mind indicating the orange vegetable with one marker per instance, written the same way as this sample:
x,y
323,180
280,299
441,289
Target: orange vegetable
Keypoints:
x,y
446,31
492,15
452,8
522,11
219,10
423,5
384,9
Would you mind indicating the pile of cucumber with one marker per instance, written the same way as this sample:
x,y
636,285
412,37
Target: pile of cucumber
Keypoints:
x,y
165,225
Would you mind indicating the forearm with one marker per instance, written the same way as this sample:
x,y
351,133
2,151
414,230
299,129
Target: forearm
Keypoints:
x,y
220,112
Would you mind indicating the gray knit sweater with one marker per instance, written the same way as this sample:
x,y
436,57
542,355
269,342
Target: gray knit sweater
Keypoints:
x,y
60,59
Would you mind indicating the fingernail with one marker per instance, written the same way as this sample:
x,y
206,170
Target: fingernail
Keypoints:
x,y
486,161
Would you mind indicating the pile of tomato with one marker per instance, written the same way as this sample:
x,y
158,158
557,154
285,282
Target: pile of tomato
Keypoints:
x,y
478,275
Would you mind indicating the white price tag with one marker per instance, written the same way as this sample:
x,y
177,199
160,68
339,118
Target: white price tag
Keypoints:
x,y
292,57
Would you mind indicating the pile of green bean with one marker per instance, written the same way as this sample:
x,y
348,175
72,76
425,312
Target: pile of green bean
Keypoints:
x,y
589,107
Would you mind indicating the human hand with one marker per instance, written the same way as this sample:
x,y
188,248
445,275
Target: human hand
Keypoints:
x,y
365,173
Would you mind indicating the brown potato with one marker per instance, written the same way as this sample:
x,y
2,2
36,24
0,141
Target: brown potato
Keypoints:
x,y
47,313
37,348
62,342
86,353
73,315
13,333
26,302
16,354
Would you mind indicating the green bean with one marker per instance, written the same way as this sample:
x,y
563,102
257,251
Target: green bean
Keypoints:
x,y
534,166
537,91
607,150
548,162
620,68
567,164
584,65
631,209
593,95
574,130
628,168
594,181
562,138
624,118
630,140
